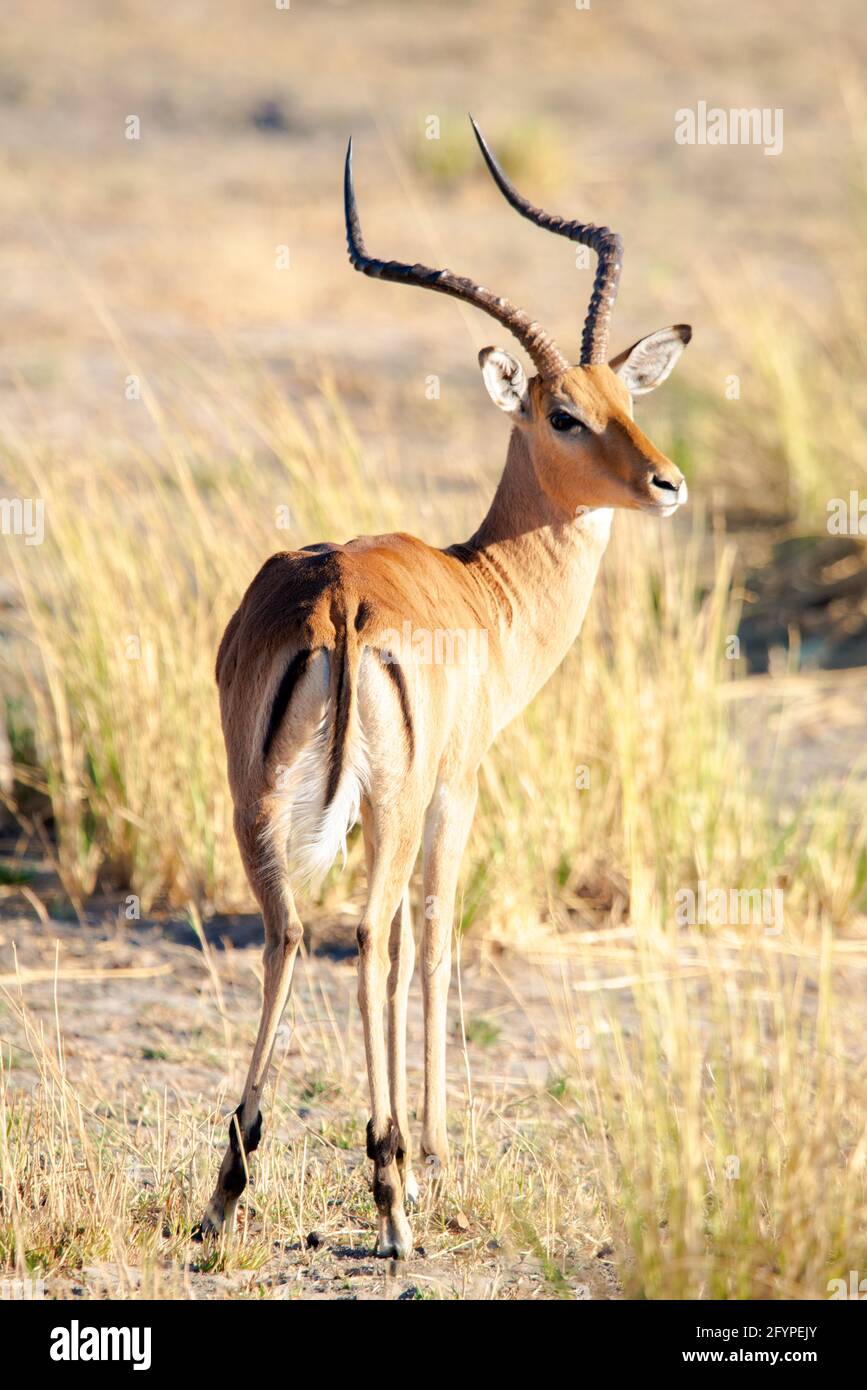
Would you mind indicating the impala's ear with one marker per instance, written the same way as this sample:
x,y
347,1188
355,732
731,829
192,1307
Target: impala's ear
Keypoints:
x,y
649,361
505,380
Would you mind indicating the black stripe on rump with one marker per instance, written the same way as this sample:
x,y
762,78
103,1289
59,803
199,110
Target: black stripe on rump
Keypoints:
x,y
398,679
341,719
295,670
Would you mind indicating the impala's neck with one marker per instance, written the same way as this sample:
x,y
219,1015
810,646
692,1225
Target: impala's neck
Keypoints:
x,y
539,565
520,511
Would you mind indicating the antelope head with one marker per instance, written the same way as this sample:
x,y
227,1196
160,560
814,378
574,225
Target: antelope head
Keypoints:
x,y
577,420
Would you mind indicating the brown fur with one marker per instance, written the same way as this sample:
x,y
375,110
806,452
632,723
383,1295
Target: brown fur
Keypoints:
x,y
523,580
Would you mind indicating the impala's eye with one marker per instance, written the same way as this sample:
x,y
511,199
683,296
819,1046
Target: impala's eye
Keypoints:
x,y
561,421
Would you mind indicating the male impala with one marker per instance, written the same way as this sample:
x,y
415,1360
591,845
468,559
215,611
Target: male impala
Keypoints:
x,y
324,721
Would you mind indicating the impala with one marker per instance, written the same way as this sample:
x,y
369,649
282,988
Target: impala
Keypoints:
x,y
329,713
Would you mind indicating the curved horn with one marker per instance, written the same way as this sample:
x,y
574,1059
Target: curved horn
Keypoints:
x,y
547,357
607,245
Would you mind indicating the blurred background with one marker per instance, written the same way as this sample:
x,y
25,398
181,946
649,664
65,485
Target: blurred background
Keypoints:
x,y
193,377
244,112
179,300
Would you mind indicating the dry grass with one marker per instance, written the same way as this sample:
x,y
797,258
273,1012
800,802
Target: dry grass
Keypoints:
x,y
690,1115
144,561
712,1059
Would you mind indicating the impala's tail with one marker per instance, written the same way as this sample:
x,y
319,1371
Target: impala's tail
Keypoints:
x,y
318,777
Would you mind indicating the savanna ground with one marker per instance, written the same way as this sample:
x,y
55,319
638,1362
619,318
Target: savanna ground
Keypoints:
x,y
193,378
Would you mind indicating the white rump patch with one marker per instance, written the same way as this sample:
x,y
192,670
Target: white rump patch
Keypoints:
x,y
303,833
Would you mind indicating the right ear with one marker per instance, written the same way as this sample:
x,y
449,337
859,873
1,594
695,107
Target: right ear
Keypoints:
x,y
505,380
646,364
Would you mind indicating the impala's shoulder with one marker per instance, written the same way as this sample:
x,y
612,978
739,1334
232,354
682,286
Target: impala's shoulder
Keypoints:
x,y
396,542
288,601
312,567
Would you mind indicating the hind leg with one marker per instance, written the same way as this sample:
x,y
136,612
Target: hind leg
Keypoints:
x,y
447,825
392,848
283,934
401,956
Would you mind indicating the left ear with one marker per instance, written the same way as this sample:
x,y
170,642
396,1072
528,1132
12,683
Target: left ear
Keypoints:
x,y
505,381
648,362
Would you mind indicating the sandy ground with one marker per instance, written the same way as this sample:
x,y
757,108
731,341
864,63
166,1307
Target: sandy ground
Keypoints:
x,y
147,1017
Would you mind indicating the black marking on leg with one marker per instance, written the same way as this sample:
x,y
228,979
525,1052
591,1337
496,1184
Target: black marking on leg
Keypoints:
x,y
383,1194
251,1135
295,670
398,679
382,1151
234,1180
235,1177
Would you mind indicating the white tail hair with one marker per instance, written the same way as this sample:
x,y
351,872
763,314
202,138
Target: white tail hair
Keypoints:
x,y
303,835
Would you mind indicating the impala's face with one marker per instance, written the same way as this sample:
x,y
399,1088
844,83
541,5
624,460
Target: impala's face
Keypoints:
x,y
586,449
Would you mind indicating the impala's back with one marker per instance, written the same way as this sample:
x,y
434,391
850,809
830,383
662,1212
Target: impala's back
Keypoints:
x,y
319,696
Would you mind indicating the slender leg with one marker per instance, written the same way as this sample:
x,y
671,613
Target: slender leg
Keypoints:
x,y
392,850
401,952
447,825
283,935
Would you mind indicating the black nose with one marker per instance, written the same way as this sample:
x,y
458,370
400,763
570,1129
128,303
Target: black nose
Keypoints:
x,y
663,482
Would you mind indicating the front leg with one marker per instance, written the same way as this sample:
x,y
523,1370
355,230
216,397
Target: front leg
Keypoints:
x,y
447,825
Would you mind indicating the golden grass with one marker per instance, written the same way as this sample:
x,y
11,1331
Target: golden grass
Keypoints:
x,y
734,1121
145,558
702,1128
715,1057
704,1113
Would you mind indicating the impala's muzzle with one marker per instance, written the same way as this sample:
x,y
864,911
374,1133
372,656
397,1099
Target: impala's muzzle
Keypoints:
x,y
667,494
